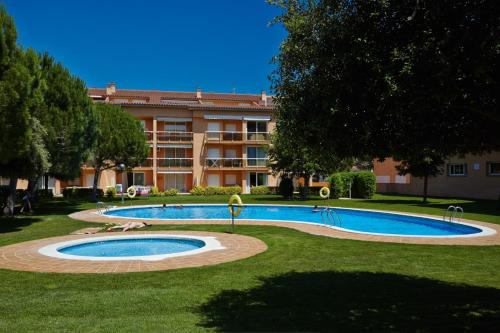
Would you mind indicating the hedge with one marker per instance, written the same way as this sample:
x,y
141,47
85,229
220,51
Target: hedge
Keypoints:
x,y
261,189
216,190
81,192
362,184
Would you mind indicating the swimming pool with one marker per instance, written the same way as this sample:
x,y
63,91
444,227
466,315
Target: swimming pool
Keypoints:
x,y
351,220
147,247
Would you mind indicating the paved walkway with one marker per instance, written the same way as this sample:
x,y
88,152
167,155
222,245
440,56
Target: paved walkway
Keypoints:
x,y
92,216
25,257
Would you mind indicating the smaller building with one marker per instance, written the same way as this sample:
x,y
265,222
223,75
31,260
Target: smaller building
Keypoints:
x,y
471,176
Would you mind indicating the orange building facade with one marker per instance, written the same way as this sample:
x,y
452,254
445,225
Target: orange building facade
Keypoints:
x,y
195,139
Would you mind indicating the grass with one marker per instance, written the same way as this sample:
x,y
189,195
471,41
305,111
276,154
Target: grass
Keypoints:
x,y
302,283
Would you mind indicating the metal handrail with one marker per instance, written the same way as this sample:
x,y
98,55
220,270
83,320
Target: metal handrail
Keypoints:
x,y
329,214
168,162
453,213
235,162
174,136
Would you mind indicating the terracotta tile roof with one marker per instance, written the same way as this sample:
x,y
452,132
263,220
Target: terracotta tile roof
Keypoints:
x,y
178,98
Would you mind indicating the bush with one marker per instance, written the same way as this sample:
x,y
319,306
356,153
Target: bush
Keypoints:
x,y
364,185
261,189
197,190
81,192
154,191
216,190
285,188
44,193
110,192
171,192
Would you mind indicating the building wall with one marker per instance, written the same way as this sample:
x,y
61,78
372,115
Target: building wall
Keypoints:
x,y
475,184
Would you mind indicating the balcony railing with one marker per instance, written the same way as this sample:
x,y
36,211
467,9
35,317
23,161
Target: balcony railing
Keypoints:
x,y
256,162
147,163
225,162
257,136
174,162
234,136
170,136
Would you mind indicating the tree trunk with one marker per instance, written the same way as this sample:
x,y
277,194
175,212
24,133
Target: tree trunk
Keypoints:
x,y
426,181
11,199
96,182
33,189
305,193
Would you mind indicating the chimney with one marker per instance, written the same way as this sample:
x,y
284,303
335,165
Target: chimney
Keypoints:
x,y
198,93
111,88
263,97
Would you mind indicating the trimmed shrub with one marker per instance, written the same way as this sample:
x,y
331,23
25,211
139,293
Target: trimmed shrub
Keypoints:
x,y
81,192
285,188
45,193
197,190
364,185
261,189
232,190
336,186
110,192
154,191
171,192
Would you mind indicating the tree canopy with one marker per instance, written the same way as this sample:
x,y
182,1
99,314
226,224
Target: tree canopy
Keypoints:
x,y
379,78
120,140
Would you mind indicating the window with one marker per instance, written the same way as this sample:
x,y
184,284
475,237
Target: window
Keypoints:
x,y
257,130
256,156
257,179
493,168
230,180
458,169
175,127
139,178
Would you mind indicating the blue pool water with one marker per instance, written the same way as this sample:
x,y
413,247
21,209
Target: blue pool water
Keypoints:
x,y
353,220
133,247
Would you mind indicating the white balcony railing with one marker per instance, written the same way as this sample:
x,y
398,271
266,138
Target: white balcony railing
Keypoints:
x,y
229,162
168,162
236,136
169,136
147,163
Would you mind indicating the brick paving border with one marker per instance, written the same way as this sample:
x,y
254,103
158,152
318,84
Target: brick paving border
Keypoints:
x,y
25,257
91,216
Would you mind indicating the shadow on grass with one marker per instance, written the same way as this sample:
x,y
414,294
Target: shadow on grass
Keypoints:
x,y
57,206
12,224
362,301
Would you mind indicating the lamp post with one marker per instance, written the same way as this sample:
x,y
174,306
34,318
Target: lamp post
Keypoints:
x,y
121,167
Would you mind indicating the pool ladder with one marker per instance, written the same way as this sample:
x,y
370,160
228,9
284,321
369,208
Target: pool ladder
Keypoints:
x,y
453,213
101,207
330,217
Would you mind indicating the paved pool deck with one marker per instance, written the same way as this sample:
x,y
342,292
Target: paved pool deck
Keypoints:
x,y
25,256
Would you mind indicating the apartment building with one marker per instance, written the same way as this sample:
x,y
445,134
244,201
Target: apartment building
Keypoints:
x,y
470,176
195,138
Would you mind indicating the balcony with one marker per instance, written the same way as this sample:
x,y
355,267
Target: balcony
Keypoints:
x,y
169,136
225,162
174,162
232,136
147,163
149,135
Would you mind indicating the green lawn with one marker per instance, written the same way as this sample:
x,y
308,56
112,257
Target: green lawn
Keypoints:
x,y
302,283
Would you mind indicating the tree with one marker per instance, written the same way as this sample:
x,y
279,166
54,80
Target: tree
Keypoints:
x,y
69,119
120,140
422,165
384,78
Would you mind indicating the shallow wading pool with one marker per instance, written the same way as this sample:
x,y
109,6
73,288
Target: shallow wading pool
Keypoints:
x,y
351,220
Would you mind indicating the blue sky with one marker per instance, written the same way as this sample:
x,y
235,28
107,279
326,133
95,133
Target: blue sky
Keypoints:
x,y
218,45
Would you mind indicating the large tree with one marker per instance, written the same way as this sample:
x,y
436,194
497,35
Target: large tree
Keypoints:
x,y
120,140
389,77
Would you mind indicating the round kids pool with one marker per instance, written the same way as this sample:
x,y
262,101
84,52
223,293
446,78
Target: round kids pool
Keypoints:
x,y
352,220
131,247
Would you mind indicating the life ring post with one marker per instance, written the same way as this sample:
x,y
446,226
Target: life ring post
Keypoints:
x,y
231,204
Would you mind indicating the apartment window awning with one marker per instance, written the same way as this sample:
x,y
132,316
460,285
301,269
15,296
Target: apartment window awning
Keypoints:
x,y
222,117
174,119
174,145
176,171
257,118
